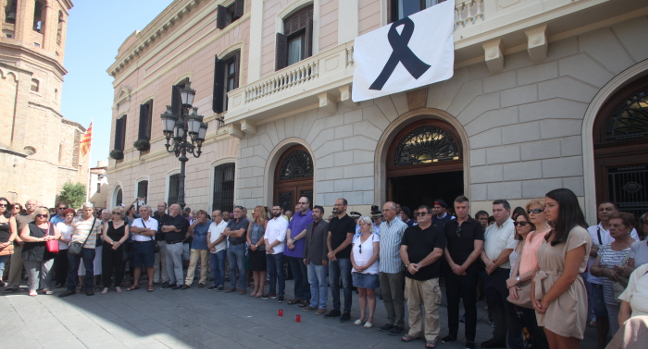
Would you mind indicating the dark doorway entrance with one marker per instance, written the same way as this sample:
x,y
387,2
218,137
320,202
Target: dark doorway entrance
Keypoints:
x,y
293,178
413,191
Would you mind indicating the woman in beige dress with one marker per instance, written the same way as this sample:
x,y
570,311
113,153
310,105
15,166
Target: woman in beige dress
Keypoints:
x,y
559,296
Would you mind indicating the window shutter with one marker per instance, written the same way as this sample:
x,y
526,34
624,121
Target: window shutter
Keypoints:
x,y
118,127
308,45
143,122
221,17
239,8
149,123
393,11
237,65
219,86
120,133
176,100
281,52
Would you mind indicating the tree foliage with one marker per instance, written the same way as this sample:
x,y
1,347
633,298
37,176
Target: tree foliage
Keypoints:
x,y
73,194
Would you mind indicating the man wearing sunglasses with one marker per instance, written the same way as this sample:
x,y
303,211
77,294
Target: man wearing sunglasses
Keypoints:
x,y
60,213
15,270
294,251
421,250
465,239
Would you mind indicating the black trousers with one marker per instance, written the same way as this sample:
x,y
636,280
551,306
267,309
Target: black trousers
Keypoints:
x,y
112,261
462,287
502,310
536,333
61,267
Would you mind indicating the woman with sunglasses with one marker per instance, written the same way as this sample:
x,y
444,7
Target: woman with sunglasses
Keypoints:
x,y
16,209
37,260
8,233
115,232
364,259
558,292
61,261
530,229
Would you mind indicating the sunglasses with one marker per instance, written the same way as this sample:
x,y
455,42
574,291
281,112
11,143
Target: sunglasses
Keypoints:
x,y
3,205
41,215
458,231
360,248
303,203
535,211
420,213
522,224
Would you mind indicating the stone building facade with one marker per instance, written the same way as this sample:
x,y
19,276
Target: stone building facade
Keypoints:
x,y
39,148
545,94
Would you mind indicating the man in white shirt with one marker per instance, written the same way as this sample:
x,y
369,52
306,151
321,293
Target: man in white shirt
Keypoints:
x,y
600,236
275,235
499,242
143,231
217,244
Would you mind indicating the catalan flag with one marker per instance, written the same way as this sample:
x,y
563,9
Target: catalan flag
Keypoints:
x,y
86,141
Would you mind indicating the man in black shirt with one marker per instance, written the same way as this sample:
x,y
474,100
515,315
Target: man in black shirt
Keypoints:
x,y
175,230
421,249
160,273
340,234
465,239
236,234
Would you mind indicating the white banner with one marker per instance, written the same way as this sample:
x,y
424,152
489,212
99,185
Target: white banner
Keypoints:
x,y
414,51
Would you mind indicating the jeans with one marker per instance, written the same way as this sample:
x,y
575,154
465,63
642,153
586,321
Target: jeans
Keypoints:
x,y
457,288
340,269
590,300
613,313
87,256
39,271
236,257
218,266
302,289
174,263
275,264
502,310
3,260
318,286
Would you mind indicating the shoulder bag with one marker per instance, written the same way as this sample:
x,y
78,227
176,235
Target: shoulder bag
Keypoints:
x,y
52,245
156,246
619,286
76,247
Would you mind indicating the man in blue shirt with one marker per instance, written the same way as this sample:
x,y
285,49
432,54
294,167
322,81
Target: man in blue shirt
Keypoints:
x,y
198,231
60,217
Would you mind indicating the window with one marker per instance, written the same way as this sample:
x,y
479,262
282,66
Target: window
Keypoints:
x,y
296,43
120,133
10,11
176,99
426,145
174,189
35,85
118,198
145,121
98,188
142,190
403,8
38,10
226,15
226,77
59,28
223,188
77,150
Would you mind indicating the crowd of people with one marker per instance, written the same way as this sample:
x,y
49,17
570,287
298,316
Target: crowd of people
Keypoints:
x,y
545,275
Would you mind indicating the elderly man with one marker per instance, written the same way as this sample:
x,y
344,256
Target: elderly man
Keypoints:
x,y
217,246
421,251
295,251
159,265
275,235
315,251
391,275
175,231
143,230
236,232
198,231
15,271
86,230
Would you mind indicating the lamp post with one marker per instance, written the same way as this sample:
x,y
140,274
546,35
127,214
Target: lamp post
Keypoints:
x,y
177,127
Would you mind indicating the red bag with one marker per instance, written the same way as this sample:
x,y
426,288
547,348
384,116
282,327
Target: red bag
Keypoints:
x,y
52,245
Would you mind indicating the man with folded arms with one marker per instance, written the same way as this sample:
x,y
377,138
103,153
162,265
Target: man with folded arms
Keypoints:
x,y
236,231
275,235
198,231
315,259
143,230
175,231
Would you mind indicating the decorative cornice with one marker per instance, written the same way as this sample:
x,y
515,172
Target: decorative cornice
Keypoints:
x,y
37,55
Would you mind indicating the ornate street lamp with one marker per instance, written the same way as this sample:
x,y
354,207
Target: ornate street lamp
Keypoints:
x,y
177,127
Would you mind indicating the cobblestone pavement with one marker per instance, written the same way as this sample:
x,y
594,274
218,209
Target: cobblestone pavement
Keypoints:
x,y
194,318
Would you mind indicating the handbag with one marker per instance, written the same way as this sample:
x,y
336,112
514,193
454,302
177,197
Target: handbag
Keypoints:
x,y
76,247
524,295
8,250
619,286
52,245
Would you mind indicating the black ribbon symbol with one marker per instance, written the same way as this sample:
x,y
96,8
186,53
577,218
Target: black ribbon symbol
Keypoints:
x,y
402,53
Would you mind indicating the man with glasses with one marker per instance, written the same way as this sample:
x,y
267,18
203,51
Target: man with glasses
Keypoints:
x,y
275,236
315,251
159,265
143,230
175,230
464,242
294,251
236,232
421,250
60,215
15,270
391,269
218,248
340,235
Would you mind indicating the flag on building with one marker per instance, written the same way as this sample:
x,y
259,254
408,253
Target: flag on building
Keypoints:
x,y
414,51
87,140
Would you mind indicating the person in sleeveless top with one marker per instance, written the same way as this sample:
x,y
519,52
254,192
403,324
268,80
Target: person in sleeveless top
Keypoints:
x,y
364,259
256,252
8,233
558,292
37,260
115,233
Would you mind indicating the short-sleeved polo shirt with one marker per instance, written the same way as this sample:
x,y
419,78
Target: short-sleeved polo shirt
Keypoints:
x,y
339,229
420,243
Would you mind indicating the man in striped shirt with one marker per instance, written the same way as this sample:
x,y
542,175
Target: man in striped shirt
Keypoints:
x,y
391,269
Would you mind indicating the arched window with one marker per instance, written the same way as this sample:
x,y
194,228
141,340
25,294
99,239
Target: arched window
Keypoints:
x,y
293,177
426,145
118,198
629,120
298,164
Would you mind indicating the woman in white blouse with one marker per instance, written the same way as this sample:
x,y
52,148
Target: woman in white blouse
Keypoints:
x,y
364,259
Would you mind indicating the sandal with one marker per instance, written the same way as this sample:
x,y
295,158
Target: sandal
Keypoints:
x,y
408,338
132,288
105,290
48,292
151,288
33,293
118,289
430,344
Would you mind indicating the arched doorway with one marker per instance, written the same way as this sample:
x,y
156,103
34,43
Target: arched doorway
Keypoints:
x,y
424,163
293,177
621,149
118,197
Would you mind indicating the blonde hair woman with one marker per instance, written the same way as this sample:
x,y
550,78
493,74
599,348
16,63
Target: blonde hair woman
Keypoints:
x,y
256,252
37,260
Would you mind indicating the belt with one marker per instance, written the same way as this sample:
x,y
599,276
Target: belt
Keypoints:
x,y
237,243
175,242
143,241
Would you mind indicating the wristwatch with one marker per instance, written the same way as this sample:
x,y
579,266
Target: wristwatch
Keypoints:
x,y
407,265
517,278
